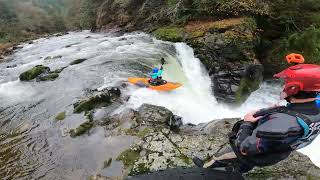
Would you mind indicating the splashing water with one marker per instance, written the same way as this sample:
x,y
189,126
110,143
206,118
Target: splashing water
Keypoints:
x,y
195,101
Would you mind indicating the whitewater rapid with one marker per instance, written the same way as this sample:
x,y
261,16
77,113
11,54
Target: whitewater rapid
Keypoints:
x,y
27,109
194,101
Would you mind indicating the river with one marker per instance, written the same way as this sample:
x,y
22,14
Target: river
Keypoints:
x,y
33,144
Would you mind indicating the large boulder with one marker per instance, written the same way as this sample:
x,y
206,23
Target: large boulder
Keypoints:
x,y
148,113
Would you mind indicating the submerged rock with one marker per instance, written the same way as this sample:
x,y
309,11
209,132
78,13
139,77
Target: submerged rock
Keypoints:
x,y
61,116
48,77
78,61
107,163
58,70
83,128
100,99
11,66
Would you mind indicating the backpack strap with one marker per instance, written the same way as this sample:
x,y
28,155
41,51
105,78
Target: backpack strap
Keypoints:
x,y
305,127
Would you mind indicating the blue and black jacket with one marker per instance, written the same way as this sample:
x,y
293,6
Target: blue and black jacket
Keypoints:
x,y
280,131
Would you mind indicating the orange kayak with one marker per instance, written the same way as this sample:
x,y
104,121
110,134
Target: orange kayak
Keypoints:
x,y
143,82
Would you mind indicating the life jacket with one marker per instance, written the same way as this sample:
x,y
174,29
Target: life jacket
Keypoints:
x,y
259,159
304,126
294,129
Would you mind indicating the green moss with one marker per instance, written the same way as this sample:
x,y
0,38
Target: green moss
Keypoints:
x,y
83,128
140,169
246,87
185,159
196,34
49,77
144,132
227,23
107,163
78,61
128,157
131,132
174,34
241,7
171,2
312,177
33,73
140,134
61,116
97,101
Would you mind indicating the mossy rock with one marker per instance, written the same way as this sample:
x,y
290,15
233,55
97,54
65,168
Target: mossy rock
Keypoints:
x,y
247,86
140,168
33,73
61,116
49,77
143,133
129,157
139,133
186,159
78,61
83,128
174,34
101,100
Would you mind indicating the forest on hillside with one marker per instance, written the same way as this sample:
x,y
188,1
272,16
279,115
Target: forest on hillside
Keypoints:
x,y
25,19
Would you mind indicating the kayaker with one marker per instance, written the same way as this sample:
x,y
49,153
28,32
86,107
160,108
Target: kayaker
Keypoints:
x,y
268,136
156,75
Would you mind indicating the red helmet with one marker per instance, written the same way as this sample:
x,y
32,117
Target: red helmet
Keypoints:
x,y
302,77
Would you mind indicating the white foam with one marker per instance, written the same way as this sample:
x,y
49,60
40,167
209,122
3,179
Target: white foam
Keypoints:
x,y
15,91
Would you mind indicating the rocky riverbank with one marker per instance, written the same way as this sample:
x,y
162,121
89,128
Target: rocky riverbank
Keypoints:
x,y
162,142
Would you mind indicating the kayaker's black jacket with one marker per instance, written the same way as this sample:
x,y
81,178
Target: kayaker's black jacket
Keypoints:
x,y
276,135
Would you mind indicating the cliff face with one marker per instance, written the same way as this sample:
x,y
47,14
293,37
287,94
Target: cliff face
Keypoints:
x,y
222,33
